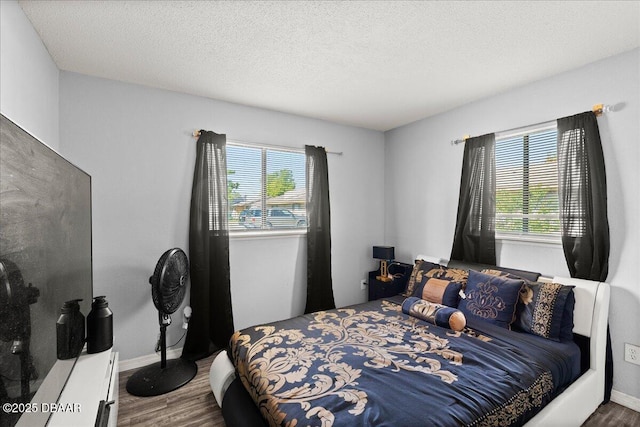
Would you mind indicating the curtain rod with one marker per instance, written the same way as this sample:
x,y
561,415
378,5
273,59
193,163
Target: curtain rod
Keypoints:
x,y
196,134
598,109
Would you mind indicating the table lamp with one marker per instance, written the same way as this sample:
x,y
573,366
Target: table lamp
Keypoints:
x,y
384,254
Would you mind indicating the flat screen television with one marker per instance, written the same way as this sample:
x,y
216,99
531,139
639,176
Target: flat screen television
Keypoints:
x,y
45,260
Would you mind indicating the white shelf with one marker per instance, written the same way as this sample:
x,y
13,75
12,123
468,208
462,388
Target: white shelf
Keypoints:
x,y
94,378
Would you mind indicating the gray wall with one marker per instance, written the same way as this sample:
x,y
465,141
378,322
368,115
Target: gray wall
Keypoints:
x,y
136,144
422,172
28,76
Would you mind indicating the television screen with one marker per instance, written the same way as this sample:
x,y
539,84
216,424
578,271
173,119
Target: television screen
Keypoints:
x,y
45,260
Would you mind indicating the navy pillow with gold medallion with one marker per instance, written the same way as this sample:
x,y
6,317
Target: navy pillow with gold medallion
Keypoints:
x,y
490,298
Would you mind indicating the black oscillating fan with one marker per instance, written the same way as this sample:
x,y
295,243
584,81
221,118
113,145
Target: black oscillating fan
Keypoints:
x,y
168,286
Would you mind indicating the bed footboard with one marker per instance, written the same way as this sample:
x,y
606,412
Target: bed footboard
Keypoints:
x,y
221,375
237,407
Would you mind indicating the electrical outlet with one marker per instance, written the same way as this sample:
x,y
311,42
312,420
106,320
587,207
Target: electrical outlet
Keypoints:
x,y
363,284
632,353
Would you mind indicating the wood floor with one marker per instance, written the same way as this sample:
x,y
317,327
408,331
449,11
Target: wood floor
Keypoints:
x,y
611,415
194,405
190,405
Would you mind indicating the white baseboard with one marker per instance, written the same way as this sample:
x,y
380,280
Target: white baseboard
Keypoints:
x,y
625,400
139,362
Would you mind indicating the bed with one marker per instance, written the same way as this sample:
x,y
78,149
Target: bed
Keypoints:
x,y
377,364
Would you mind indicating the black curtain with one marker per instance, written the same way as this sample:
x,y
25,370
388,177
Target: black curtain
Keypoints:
x,y
582,191
211,323
475,236
319,283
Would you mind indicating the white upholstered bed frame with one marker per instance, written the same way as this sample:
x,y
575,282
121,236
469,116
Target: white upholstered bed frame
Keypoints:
x,y
574,405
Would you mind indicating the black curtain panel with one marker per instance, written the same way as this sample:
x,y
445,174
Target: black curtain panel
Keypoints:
x,y
319,283
475,236
582,189
582,192
211,323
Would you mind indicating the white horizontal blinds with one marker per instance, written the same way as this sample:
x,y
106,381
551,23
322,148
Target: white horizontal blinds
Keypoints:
x,y
266,188
244,184
286,189
527,183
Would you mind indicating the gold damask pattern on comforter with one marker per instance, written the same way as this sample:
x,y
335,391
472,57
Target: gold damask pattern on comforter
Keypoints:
x,y
373,365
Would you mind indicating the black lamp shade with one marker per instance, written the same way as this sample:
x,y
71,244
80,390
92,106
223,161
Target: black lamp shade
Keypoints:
x,y
384,252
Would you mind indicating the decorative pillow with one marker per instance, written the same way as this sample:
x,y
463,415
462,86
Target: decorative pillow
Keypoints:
x,y
451,274
566,330
491,298
525,291
437,314
543,309
438,291
419,269
521,274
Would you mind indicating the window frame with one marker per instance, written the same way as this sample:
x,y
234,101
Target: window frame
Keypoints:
x,y
265,233
527,237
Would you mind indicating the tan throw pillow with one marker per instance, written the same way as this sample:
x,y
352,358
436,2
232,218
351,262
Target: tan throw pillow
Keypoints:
x,y
434,290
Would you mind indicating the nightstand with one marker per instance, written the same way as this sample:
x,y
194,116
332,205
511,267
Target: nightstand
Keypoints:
x,y
379,289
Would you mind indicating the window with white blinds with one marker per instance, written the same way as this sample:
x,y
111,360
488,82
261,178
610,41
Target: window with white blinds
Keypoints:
x,y
266,188
527,184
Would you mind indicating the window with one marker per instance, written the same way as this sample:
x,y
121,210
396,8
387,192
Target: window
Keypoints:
x,y
266,188
527,184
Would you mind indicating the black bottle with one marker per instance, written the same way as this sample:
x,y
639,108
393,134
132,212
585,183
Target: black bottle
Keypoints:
x,y
70,330
99,326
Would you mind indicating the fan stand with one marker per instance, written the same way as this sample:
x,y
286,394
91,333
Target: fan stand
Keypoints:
x,y
164,376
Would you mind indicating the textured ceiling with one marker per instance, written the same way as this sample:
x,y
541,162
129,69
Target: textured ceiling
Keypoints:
x,y
373,64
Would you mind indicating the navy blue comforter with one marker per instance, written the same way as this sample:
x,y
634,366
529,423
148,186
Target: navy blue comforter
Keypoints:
x,y
372,365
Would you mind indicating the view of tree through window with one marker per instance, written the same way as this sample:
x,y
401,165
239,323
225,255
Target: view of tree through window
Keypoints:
x,y
266,188
527,184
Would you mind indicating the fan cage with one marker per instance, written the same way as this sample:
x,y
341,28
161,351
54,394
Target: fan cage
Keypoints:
x,y
169,281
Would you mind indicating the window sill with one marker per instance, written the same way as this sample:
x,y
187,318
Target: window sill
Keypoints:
x,y
529,240
267,234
